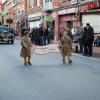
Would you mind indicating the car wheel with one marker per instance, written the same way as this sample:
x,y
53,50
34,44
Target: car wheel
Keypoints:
x,y
12,41
8,42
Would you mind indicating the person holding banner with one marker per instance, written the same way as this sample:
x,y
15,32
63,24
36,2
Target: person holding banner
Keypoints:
x,y
66,47
26,48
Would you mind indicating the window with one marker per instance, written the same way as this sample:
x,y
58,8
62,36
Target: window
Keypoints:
x,y
38,2
31,2
46,0
35,3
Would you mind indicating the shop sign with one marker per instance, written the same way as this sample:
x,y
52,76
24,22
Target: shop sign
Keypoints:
x,y
55,4
85,1
67,11
74,2
62,12
71,10
35,15
34,18
48,18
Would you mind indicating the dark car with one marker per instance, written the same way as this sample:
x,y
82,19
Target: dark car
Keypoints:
x,y
6,35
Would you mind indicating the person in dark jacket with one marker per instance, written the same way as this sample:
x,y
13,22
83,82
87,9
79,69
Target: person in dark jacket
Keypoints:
x,y
41,35
33,35
45,36
81,32
70,33
88,40
22,31
12,32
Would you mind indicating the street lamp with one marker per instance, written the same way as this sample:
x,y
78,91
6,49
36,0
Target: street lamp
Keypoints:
x,y
78,13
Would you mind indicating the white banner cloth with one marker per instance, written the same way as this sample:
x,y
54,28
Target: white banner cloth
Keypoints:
x,y
45,49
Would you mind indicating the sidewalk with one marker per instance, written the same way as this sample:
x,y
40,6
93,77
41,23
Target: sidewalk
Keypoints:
x,y
96,51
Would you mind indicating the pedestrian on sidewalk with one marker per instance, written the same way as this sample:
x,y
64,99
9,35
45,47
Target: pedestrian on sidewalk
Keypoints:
x,y
26,48
81,32
76,38
88,40
66,47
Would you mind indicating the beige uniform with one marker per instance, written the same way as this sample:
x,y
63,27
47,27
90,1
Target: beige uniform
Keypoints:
x,y
26,47
66,49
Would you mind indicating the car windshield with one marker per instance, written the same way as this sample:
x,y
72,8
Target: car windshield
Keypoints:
x,y
4,29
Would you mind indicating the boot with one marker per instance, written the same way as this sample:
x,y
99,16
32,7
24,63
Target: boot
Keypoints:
x,y
64,61
29,63
70,61
25,63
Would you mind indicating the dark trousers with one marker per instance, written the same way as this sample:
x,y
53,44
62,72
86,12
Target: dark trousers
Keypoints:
x,y
81,46
42,40
88,49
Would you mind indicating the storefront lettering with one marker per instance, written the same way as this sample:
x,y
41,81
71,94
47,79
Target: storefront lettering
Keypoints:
x,y
92,5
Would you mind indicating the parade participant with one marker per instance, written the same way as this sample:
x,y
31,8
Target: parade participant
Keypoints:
x,y
66,47
26,48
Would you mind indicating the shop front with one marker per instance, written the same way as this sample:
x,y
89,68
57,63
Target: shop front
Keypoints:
x,y
35,20
91,14
66,18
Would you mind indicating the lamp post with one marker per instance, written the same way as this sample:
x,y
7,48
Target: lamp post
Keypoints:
x,y
78,12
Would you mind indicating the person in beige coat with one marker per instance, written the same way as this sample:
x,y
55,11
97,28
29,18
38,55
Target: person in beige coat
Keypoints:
x,y
66,47
26,48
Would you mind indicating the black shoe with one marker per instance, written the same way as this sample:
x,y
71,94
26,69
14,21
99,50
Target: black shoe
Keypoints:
x,y
64,61
89,55
70,61
29,63
25,63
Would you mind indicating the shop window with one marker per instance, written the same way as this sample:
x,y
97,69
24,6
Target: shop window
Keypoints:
x,y
31,2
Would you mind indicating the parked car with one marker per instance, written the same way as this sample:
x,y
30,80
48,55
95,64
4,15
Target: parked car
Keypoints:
x,y
6,35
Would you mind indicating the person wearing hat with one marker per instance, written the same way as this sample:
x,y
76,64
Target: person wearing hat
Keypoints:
x,y
26,48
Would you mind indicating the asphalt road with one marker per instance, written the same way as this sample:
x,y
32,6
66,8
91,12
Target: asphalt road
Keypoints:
x,y
48,78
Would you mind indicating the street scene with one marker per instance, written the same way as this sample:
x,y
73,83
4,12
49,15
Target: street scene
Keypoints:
x,y
49,49
48,78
